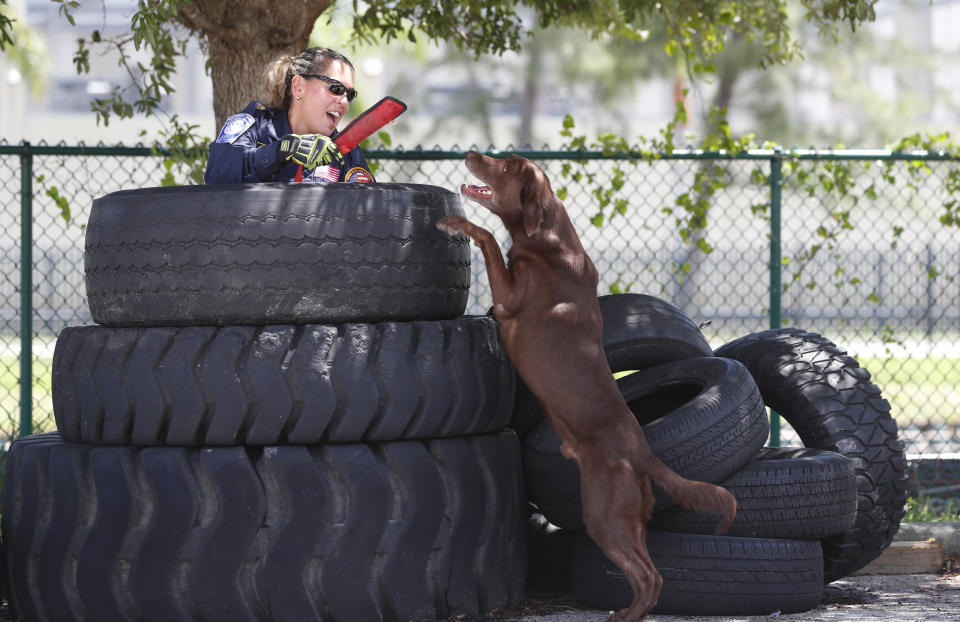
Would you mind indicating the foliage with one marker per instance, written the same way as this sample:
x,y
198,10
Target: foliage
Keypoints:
x,y
696,31
186,153
691,207
835,181
6,26
924,511
153,29
52,191
30,54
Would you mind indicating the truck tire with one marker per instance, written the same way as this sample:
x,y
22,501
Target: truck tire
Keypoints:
x,y
707,575
832,404
703,417
274,253
249,385
408,530
784,492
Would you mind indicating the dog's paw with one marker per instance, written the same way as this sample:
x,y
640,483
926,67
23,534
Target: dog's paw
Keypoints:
x,y
454,225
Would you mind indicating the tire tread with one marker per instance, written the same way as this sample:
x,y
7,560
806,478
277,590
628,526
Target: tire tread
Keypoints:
x,y
406,530
231,385
832,404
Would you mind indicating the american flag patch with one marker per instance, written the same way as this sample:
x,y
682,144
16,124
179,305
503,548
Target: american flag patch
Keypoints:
x,y
328,172
358,175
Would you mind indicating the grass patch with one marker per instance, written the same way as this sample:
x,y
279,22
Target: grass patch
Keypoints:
x,y
10,395
921,390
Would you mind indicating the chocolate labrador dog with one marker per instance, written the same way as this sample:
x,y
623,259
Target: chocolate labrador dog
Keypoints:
x,y
546,302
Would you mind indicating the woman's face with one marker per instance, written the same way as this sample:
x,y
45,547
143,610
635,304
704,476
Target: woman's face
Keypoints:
x,y
318,111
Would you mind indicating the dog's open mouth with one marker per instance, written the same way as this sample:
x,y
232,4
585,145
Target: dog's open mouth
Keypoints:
x,y
480,194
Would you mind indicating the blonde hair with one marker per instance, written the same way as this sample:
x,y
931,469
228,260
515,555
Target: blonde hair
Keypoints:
x,y
277,75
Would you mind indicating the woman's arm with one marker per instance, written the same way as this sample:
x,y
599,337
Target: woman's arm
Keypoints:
x,y
236,157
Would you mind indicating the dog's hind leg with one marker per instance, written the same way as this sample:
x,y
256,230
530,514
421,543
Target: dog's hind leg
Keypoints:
x,y
639,571
616,521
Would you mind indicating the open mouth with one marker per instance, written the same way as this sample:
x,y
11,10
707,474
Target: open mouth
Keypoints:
x,y
479,193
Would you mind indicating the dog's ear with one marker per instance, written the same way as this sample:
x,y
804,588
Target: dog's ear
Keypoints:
x,y
532,209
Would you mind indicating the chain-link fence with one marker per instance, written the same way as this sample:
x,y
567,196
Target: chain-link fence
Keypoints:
x,y
857,246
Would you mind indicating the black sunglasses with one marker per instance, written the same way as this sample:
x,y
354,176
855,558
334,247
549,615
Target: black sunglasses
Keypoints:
x,y
336,87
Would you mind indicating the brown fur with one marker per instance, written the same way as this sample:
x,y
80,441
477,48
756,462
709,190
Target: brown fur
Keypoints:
x,y
550,323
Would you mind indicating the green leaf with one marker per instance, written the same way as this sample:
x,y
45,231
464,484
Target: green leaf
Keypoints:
x,y
60,201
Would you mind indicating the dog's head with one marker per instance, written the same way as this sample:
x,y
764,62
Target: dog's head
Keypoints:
x,y
516,190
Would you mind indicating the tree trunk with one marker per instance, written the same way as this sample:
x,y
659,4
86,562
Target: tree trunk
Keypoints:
x,y
531,92
242,37
691,254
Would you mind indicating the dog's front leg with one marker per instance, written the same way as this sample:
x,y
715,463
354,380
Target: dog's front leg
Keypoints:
x,y
501,281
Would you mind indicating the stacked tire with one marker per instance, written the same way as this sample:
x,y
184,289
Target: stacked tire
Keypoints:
x,y
806,515
282,414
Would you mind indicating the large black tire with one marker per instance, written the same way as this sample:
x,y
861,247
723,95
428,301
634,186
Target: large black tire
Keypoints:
x,y
832,404
274,254
639,331
784,492
708,575
703,417
398,531
246,385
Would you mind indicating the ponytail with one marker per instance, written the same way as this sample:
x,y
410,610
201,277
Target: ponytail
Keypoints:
x,y
274,88
277,75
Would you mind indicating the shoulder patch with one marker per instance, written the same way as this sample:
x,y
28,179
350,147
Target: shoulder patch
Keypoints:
x,y
358,175
235,126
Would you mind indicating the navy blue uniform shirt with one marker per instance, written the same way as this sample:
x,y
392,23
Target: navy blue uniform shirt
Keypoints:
x,y
248,150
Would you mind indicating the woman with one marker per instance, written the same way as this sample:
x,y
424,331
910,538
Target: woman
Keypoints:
x,y
288,134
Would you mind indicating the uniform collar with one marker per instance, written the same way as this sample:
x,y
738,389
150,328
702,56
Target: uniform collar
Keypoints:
x,y
279,116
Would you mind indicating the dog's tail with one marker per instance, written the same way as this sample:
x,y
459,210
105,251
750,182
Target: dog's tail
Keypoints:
x,y
698,496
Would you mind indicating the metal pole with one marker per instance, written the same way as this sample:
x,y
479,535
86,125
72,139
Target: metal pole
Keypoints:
x,y
26,290
776,263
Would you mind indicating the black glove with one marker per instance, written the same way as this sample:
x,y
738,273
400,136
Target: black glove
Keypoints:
x,y
310,150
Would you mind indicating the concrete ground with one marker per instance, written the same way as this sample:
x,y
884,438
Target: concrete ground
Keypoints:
x,y
862,597
858,598
884,598
891,598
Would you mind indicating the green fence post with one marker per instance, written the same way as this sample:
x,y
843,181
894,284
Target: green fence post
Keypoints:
x,y
776,263
26,290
